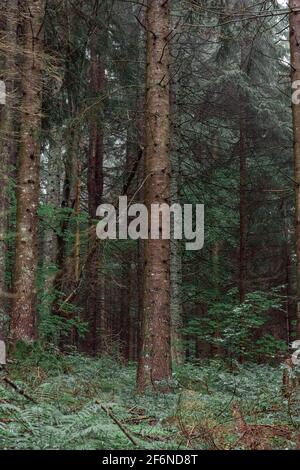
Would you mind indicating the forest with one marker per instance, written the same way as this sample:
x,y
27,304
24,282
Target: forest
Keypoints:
x,y
143,342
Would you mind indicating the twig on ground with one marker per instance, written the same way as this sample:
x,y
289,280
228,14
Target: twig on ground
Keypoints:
x,y
118,423
22,392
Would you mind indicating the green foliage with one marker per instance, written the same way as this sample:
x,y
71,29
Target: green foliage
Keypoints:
x,y
69,392
237,328
53,327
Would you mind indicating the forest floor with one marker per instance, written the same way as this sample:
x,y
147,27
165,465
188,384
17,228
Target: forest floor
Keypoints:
x,y
84,403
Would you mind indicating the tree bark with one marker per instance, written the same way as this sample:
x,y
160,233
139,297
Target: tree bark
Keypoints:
x,y
65,278
216,251
177,350
23,322
126,327
155,358
77,234
295,75
53,197
7,139
96,149
243,202
287,274
176,308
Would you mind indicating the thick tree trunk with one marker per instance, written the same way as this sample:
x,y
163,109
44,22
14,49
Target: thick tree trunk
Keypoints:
x,y
155,359
295,75
23,322
7,138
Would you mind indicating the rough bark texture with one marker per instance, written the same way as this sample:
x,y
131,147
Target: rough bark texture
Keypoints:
x,y
155,358
7,137
23,322
295,75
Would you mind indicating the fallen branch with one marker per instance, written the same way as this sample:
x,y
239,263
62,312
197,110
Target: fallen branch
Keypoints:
x,y
118,423
17,388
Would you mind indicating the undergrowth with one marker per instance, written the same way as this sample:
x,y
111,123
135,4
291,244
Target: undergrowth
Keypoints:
x,y
86,403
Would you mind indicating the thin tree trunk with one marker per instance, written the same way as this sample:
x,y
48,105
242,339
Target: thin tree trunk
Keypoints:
x,y
94,315
242,203
216,349
133,161
155,359
140,269
176,309
125,311
77,235
177,350
53,198
65,278
295,75
96,150
23,322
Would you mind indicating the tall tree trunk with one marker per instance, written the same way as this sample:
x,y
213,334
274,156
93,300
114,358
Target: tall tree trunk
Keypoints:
x,y
53,198
216,348
128,327
77,234
94,339
295,75
177,350
23,322
287,274
216,249
126,330
65,279
7,138
155,359
243,203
